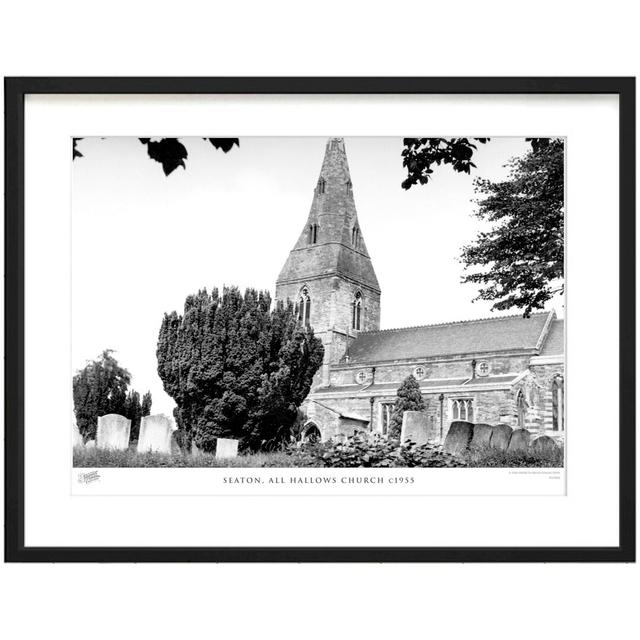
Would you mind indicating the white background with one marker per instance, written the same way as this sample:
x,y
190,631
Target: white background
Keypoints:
x,y
462,38
587,516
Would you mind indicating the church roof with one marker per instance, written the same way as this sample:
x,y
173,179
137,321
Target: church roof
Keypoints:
x,y
335,249
505,333
554,344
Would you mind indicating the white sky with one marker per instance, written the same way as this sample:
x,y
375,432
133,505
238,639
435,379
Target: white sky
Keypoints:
x,y
143,241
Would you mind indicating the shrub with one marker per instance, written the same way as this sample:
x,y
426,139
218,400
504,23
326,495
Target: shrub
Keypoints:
x,y
364,450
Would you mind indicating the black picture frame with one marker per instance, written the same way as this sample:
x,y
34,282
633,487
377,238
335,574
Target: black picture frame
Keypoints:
x,y
15,91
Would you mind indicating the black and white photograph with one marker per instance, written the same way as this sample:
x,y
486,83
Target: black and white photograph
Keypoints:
x,y
314,302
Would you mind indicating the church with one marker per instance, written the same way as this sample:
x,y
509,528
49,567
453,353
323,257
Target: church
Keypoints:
x,y
505,369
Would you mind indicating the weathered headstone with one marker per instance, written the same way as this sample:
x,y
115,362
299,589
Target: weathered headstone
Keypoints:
x,y
544,445
458,437
195,451
226,448
77,438
481,436
500,437
415,427
155,434
519,441
113,432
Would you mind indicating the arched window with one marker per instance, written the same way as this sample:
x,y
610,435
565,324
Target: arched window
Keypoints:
x,y
355,237
321,185
521,406
557,402
349,186
313,234
462,409
356,312
304,307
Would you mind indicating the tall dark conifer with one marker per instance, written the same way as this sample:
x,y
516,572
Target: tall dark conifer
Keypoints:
x,y
409,398
235,368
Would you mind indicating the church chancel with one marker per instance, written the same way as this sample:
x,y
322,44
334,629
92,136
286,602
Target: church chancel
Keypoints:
x,y
506,369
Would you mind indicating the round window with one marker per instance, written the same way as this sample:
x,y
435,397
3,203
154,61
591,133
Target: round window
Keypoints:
x,y
361,377
419,372
483,368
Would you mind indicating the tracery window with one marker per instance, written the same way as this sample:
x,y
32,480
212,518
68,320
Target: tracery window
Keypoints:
x,y
462,409
386,411
356,312
304,307
521,406
557,403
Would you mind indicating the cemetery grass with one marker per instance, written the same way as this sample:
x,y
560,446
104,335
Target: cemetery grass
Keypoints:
x,y
102,458
320,456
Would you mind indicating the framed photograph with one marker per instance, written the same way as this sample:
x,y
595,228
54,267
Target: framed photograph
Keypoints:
x,y
320,319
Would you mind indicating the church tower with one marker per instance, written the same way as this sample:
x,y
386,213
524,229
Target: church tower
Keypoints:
x,y
329,273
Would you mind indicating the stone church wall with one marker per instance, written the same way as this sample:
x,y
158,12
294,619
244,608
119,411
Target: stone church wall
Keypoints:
x,y
454,368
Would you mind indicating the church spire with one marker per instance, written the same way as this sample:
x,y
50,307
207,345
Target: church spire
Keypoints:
x,y
332,233
329,273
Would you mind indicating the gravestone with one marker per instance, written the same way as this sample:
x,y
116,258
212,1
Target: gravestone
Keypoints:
x,y
458,437
500,437
113,432
544,445
91,444
77,438
226,448
519,441
415,427
155,434
481,436
195,451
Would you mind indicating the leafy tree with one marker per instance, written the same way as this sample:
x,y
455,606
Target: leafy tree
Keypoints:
x,y
102,387
420,154
235,368
135,410
520,260
408,398
169,152
146,404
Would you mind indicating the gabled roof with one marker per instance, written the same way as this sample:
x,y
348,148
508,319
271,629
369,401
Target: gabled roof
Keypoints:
x,y
554,344
506,333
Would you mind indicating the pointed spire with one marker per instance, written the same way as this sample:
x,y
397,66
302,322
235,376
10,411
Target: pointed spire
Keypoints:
x,y
331,241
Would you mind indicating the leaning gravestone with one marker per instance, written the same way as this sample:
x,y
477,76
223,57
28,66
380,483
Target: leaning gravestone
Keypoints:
x,y
414,427
77,438
458,437
544,445
519,441
155,434
226,448
500,437
113,432
481,436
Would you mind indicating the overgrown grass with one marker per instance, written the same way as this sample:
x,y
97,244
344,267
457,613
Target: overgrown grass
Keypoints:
x,y
101,458
357,451
488,457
